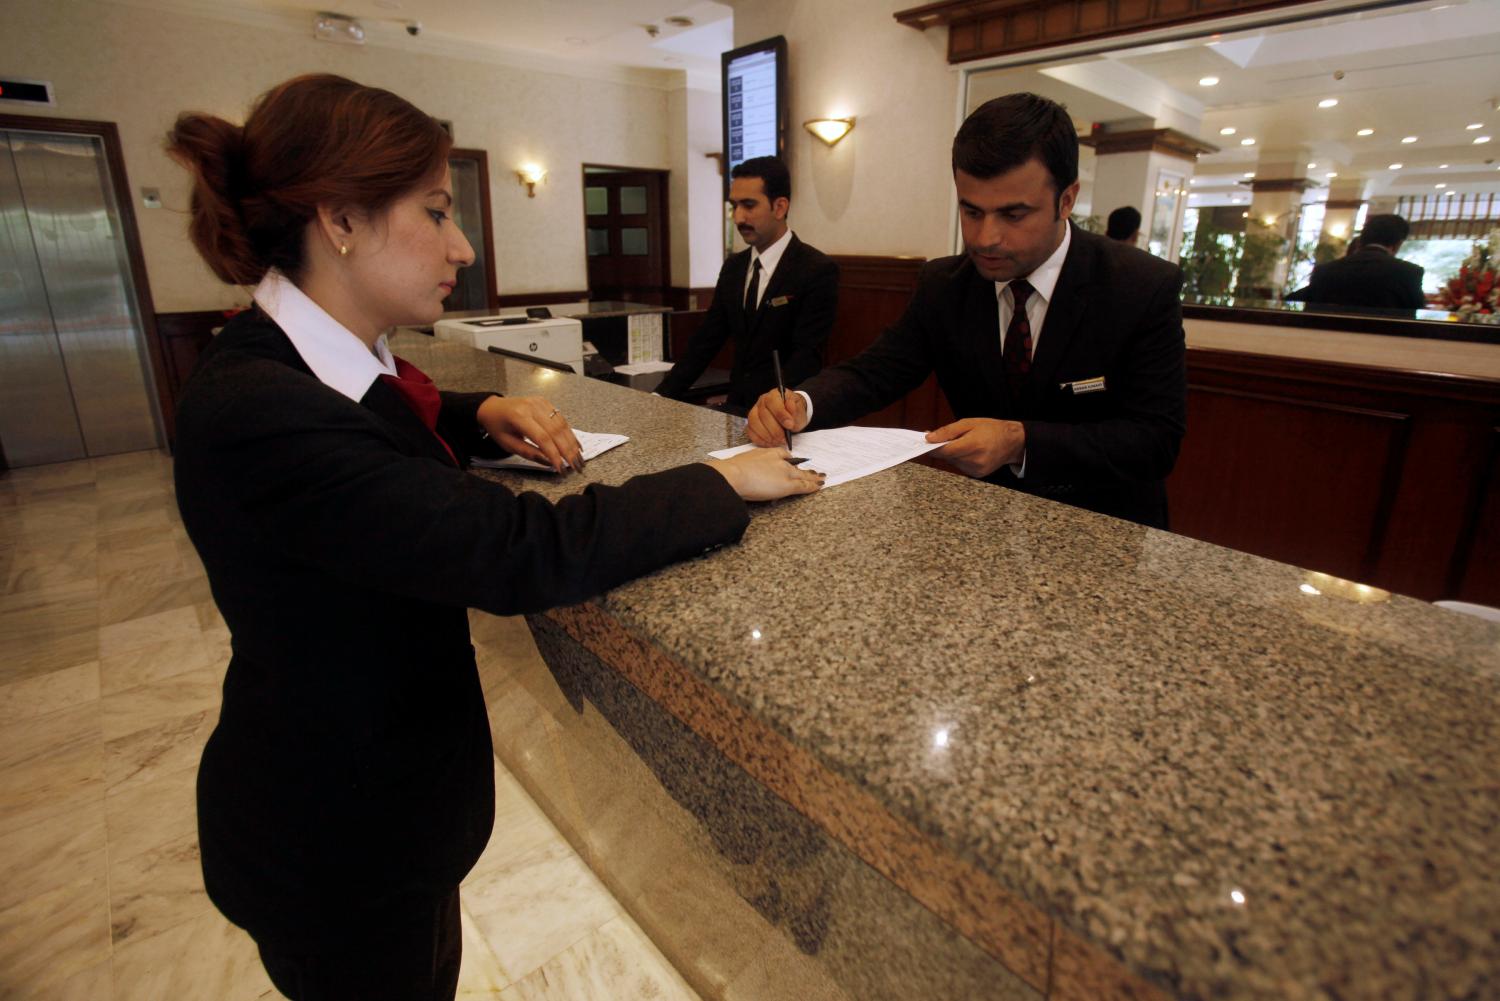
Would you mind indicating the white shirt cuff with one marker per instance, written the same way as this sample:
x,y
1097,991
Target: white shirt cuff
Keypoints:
x,y
808,400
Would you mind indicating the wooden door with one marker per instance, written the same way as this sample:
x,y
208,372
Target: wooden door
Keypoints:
x,y
625,233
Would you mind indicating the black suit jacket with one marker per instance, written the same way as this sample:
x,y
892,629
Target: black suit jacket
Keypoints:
x,y
1371,278
352,762
1116,312
795,316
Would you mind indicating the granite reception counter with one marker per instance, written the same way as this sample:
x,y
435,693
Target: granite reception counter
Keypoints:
x,y
922,737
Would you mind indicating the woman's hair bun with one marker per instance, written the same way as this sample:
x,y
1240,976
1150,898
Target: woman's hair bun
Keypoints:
x,y
213,151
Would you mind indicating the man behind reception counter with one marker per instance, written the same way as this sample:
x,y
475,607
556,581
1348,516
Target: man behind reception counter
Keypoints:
x,y
1079,394
779,294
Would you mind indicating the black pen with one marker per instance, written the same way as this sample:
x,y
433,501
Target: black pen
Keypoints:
x,y
781,388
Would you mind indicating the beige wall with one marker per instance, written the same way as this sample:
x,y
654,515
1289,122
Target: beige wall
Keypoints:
x,y
887,187
139,67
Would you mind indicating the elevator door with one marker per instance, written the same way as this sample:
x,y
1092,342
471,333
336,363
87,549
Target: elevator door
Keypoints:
x,y
73,378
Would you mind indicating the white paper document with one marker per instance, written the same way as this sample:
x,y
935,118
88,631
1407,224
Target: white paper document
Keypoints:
x,y
593,445
644,367
848,453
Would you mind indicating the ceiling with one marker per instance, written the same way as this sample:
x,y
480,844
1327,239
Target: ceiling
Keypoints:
x,y
1429,70
582,35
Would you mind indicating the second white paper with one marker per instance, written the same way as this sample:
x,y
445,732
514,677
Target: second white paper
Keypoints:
x,y
848,453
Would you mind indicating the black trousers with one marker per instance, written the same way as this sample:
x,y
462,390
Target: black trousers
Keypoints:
x,y
412,957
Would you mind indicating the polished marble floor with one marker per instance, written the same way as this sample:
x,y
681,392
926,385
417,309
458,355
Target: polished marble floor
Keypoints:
x,y
111,654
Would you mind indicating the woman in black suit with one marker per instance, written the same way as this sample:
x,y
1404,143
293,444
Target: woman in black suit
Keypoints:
x,y
347,788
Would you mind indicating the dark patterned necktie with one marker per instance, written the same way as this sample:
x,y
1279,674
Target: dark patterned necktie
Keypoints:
x,y
1016,353
421,395
752,294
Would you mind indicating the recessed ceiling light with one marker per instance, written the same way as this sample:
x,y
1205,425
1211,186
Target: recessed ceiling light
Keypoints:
x,y
1409,139
1440,185
1449,194
1207,81
1328,102
1247,142
1365,132
1192,180
1396,166
1481,140
1249,173
1312,166
1442,166
1474,126
1331,175
1227,131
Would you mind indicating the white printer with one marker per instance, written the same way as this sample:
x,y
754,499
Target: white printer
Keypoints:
x,y
558,339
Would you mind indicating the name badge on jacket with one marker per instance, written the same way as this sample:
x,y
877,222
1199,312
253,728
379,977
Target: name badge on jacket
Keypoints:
x,y
1094,385
781,300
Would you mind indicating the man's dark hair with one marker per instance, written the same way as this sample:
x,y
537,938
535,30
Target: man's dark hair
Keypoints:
x,y
1124,222
1386,230
772,173
1005,132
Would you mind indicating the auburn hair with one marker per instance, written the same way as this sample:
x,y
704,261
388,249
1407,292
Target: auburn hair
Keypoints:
x,y
313,140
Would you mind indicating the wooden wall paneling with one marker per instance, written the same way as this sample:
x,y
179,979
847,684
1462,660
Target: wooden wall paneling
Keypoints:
x,y
1257,474
182,337
1439,489
873,293
1475,572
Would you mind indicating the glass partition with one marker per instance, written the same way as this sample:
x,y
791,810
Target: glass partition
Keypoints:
x,y
1256,156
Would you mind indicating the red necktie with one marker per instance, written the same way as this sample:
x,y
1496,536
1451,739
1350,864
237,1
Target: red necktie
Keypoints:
x,y
1016,354
421,395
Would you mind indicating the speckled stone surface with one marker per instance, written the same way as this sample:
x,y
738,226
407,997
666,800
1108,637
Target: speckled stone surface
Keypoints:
x,y
1187,761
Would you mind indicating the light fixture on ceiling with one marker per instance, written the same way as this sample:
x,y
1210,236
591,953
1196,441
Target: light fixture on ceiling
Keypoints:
x,y
1365,132
1247,142
1328,102
1249,173
1228,130
1330,175
1208,81
1312,166
1481,140
338,28
830,130
1409,140
1442,166
531,175
1395,166
1474,126
1449,194
1440,185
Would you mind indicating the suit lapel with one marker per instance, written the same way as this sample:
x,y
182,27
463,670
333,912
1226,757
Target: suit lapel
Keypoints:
x,y
739,267
385,402
980,318
1064,313
780,278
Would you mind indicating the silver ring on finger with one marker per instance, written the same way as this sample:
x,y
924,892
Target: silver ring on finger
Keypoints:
x,y
552,415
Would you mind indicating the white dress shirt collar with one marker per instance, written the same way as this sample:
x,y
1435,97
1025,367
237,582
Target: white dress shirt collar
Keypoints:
x,y
335,354
770,257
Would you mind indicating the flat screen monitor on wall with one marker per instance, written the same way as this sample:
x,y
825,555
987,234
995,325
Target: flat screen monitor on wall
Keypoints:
x,y
754,92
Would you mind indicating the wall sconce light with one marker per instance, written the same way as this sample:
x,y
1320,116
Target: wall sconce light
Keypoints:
x,y
830,130
338,28
531,175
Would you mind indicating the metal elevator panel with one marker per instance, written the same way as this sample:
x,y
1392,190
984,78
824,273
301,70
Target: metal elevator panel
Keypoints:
x,y
80,246
37,420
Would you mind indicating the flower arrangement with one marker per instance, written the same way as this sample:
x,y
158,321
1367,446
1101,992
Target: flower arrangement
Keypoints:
x,y
1476,287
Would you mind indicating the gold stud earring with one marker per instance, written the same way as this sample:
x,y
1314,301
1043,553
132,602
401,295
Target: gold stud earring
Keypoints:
x,y
343,250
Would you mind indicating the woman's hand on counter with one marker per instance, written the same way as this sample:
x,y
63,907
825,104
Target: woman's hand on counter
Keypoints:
x,y
763,474
512,420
